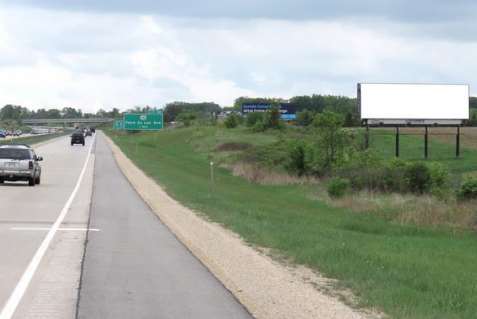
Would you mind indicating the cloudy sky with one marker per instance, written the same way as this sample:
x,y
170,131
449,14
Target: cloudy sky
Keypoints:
x,y
99,54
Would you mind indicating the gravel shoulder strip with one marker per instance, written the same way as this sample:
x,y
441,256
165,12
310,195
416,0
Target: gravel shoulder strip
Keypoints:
x,y
268,289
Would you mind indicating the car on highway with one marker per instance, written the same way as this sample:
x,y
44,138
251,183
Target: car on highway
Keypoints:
x,y
3,134
77,137
18,162
88,133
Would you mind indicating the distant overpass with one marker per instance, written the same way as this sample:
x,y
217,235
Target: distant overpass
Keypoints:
x,y
66,122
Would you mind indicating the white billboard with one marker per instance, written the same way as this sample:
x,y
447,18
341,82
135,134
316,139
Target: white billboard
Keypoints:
x,y
414,103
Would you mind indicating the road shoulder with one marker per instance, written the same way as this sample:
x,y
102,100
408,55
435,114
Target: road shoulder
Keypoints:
x,y
276,290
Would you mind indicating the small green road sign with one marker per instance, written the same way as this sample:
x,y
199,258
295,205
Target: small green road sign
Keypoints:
x,y
118,125
143,122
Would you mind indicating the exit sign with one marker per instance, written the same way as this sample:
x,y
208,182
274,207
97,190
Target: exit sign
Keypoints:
x,y
143,122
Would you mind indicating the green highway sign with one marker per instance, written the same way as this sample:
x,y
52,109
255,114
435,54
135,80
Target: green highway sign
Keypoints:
x,y
143,122
118,125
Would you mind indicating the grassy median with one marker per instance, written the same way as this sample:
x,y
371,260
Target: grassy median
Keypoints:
x,y
405,270
31,140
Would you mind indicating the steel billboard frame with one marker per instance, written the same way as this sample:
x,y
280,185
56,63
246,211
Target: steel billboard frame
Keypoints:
x,y
400,123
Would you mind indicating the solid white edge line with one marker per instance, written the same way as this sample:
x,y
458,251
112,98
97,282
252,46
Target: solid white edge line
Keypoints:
x,y
20,289
60,229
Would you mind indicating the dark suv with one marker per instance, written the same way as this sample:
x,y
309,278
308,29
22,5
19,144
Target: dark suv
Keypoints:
x,y
77,138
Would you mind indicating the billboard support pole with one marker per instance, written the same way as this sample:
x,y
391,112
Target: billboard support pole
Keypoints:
x,y
366,136
426,140
397,141
457,142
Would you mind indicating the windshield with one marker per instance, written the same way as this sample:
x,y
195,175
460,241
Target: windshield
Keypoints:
x,y
14,153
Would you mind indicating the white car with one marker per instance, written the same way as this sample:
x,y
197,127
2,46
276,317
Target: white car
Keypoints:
x,y
19,162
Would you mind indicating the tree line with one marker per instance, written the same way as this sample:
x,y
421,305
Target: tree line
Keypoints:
x,y
18,113
306,105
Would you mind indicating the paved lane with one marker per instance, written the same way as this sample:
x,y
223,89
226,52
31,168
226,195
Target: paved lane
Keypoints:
x,y
134,267
22,206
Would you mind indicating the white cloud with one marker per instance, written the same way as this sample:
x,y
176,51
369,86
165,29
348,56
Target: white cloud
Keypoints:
x,y
93,60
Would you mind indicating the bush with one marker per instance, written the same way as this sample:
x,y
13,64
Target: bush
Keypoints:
x,y
259,127
232,121
468,189
296,163
337,187
418,177
439,175
253,118
394,176
364,170
304,118
272,118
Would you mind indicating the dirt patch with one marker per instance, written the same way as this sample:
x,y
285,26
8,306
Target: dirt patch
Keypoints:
x,y
233,146
267,288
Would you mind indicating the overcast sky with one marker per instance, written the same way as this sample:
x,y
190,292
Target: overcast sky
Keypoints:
x,y
99,54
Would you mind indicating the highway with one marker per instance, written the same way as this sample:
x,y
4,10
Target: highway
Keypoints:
x,y
83,244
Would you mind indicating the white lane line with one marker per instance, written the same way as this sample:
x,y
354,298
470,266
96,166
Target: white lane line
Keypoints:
x,y
22,285
60,229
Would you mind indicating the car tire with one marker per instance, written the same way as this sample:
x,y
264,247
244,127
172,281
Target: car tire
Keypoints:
x,y
83,143
2,180
31,181
38,180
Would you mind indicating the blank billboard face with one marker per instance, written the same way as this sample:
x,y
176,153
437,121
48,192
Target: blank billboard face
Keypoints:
x,y
413,101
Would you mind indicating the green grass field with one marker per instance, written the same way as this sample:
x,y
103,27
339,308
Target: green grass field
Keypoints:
x,y
412,148
404,270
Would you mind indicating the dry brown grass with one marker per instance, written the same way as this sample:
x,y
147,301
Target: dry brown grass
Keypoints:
x,y
233,146
420,210
265,176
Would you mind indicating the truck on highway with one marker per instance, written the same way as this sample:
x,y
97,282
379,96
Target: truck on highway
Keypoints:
x,y
18,162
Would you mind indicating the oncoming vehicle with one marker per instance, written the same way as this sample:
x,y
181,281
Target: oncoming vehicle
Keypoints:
x,y
19,162
77,138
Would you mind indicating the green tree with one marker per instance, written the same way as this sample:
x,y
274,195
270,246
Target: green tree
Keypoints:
x,y
202,110
272,117
330,137
186,118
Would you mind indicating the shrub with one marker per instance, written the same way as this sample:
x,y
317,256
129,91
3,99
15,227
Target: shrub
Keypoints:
x,y
232,121
468,189
304,118
364,170
253,118
394,176
271,118
296,163
337,187
418,177
439,175
259,127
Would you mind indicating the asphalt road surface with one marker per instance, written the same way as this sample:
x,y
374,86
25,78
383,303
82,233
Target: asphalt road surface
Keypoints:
x,y
85,233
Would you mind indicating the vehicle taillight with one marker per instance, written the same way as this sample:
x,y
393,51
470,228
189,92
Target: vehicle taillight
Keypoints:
x,y
30,164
